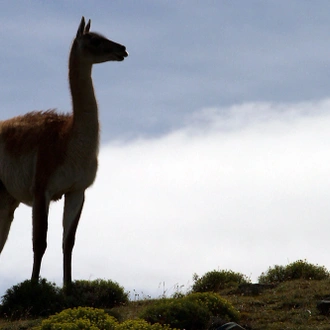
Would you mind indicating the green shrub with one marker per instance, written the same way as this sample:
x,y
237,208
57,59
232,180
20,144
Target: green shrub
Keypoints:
x,y
81,318
183,315
191,312
215,281
300,269
217,306
98,294
88,318
30,299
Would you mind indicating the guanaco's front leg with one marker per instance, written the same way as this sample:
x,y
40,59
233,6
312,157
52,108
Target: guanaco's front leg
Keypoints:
x,y
73,205
40,225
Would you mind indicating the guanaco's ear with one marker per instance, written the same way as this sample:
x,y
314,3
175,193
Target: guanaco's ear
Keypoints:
x,y
81,27
88,26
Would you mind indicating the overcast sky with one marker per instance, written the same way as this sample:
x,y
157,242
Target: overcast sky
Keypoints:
x,y
215,148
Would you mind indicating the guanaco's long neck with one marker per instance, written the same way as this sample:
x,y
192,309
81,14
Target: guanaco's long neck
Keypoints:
x,y
85,111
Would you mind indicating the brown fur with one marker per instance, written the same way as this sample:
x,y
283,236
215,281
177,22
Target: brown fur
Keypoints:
x,y
35,129
45,132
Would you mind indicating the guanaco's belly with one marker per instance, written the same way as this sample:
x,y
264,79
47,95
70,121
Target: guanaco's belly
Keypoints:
x,y
20,177
17,175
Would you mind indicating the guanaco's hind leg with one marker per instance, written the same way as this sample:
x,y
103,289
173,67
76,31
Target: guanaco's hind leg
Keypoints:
x,y
73,205
8,204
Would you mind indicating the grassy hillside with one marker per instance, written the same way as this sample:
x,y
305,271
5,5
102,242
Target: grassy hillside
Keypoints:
x,y
285,298
289,305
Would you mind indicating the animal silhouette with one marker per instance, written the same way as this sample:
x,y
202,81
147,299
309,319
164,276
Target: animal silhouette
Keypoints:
x,y
45,155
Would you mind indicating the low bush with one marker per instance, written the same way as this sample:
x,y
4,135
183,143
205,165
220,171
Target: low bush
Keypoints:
x,y
192,312
31,299
98,294
141,325
81,318
42,298
215,281
300,269
217,306
88,318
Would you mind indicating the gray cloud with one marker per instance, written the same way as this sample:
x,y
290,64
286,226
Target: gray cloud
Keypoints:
x,y
182,58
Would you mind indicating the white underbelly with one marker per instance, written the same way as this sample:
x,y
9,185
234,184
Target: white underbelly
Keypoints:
x,y
18,178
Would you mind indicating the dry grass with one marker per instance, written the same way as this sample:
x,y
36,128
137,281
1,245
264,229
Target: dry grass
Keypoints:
x,y
19,325
290,305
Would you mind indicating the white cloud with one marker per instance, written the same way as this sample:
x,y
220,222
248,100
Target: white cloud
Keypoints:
x,y
241,188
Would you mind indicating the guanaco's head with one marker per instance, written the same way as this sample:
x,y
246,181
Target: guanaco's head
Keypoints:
x,y
95,48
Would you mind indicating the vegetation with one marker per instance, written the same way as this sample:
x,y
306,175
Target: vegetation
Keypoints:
x,y
85,318
300,269
141,325
193,311
290,302
215,281
98,294
79,318
289,305
29,299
